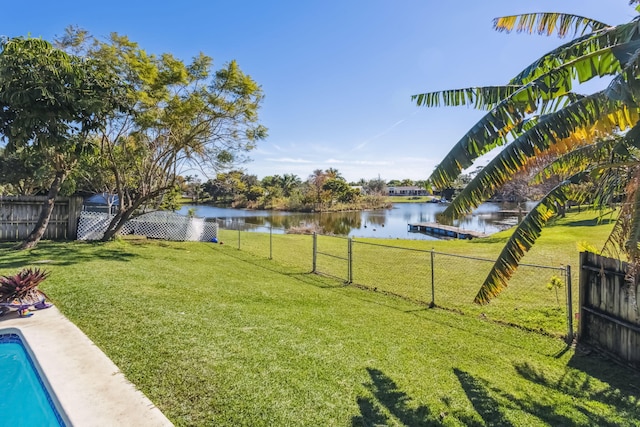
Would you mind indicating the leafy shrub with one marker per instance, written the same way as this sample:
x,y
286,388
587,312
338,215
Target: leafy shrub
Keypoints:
x,y
21,285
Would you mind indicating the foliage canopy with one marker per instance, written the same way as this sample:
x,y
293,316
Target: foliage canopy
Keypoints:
x,y
538,114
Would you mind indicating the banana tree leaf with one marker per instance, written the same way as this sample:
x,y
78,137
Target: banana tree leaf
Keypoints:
x,y
633,136
631,245
499,126
501,123
546,23
610,183
578,159
522,240
619,151
625,236
486,97
602,40
625,51
549,130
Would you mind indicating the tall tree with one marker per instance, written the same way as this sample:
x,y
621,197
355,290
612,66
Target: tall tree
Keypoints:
x,y
333,173
24,172
339,190
537,112
50,101
316,180
289,183
376,186
180,117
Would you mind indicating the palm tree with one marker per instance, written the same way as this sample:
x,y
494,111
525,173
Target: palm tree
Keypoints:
x,y
316,180
333,173
538,113
289,183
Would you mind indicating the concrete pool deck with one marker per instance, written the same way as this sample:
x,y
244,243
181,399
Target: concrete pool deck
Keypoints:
x,y
89,386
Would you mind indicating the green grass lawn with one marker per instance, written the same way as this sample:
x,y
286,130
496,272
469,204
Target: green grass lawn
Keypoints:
x,y
403,267
217,336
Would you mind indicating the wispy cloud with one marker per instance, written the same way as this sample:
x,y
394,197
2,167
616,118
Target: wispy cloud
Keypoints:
x,y
289,160
323,148
384,132
258,153
416,159
358,162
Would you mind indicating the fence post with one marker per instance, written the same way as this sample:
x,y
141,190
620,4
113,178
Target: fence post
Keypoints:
x,y
238,223
270,241
433,285
315,251
569,305
75,207
350,260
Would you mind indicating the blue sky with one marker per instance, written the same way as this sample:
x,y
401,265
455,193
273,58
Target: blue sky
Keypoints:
x,y
338,75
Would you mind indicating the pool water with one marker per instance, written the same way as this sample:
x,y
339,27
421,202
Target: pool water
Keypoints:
x,y
24,399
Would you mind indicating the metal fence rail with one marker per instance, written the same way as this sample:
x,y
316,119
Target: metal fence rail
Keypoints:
x,y
265,241
332,257
436,279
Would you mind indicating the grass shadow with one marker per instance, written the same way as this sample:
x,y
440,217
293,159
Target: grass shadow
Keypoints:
x,y
618,387
589,222
393,301
388,404
485,405
59,254
487,401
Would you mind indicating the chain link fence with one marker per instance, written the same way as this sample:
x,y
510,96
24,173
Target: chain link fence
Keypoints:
x,y
538,297
265,241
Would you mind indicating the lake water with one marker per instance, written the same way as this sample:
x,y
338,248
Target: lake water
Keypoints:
x,y
384,223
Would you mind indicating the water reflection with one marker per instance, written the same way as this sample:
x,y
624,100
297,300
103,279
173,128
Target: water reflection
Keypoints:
x,y
387,223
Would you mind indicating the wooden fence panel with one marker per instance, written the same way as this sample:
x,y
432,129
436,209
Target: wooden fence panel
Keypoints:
x,y
609,315
18,216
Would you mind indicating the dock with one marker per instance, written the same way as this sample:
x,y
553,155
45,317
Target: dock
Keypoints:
x,y
513,212
436,229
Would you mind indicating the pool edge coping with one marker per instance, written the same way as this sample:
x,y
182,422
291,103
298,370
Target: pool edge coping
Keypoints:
x,y
89,388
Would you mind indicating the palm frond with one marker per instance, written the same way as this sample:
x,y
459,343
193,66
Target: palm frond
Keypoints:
x,y
631,139
577,159
486,97
625,236
610,46
550,88
633,239
611,181
522,240
626,87
481,138
597,110
548,131
503,123
547,23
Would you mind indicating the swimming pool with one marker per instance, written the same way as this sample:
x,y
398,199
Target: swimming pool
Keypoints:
x,y
24,398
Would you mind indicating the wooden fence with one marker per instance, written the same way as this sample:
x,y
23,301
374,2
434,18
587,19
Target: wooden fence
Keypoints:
x,y
609,316
18,216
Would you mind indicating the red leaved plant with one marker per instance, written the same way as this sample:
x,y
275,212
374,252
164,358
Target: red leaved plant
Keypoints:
x,y
22,285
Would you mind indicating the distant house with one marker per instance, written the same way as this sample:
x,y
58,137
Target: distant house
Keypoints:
x,y
410,190
102,202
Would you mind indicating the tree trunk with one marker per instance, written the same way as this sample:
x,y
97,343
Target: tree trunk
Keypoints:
x,y
117,223
45,213
123,215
